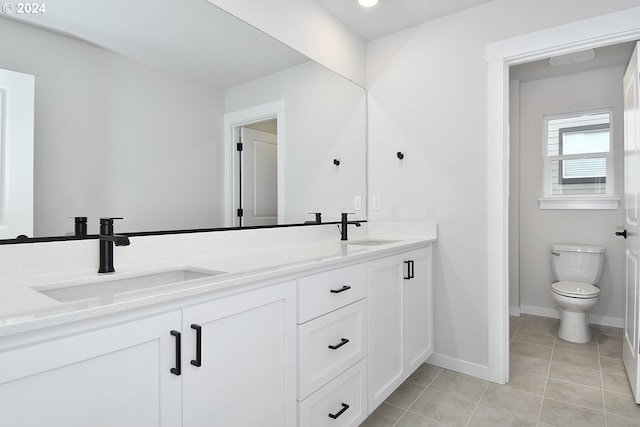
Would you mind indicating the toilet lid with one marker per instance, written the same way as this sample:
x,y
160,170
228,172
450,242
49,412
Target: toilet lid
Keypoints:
x,y
575,289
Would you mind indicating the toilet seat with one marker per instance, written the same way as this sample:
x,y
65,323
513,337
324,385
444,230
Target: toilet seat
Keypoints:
x,y
571,289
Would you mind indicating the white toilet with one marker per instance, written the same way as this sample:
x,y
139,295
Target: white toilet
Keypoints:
x,y
577,269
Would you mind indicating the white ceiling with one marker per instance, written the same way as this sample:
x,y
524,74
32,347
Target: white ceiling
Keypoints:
x,y
389,16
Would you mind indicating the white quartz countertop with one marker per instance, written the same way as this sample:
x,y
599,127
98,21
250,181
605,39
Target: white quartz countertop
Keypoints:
x,y
23,308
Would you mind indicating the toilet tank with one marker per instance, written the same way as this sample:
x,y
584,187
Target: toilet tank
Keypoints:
x,y
578,263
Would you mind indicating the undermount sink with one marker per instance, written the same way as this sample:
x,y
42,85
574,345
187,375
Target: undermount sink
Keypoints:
x,y
377,242
109,287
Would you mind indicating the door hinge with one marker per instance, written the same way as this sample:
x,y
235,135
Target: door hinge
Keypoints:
x,y
239,146
240,212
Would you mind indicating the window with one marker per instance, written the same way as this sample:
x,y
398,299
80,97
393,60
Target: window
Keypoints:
x,y
578,161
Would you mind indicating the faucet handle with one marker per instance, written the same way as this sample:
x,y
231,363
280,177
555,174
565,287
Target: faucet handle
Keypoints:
x,y
110,219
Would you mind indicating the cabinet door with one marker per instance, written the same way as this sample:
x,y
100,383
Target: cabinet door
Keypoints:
x,y
116,376
418,328
385,357
246,376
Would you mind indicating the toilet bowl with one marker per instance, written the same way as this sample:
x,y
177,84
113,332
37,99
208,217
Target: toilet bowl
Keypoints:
x,y
577,269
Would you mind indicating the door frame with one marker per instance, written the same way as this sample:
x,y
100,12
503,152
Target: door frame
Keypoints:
x,y
232,122
617,27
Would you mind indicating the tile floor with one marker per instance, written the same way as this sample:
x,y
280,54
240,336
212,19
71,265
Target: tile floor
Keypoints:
x,y
552,383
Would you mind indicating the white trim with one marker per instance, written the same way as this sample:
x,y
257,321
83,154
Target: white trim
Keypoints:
x,y
580,203
603,30
515,311
458,365
238,118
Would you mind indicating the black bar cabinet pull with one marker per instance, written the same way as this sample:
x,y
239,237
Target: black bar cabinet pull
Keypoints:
x,y
198,360
340,412
342,289
409,270
177,370
343,341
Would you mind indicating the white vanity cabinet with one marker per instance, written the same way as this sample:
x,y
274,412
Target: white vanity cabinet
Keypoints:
x,y
332,347
113,376
400,320
140,373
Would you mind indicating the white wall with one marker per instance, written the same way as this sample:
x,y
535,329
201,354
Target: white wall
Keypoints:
x,y
325,120
307,27
113,132
539,228
428,98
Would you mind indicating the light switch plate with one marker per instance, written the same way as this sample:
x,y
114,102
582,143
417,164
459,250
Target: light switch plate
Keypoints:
x,y
357,203
376,202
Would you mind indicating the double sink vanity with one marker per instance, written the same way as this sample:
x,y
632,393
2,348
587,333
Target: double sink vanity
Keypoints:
x,y
309,332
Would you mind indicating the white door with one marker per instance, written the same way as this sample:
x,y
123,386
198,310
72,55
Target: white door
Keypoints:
x,y
244,372
259,177
116,376
16,154
631,348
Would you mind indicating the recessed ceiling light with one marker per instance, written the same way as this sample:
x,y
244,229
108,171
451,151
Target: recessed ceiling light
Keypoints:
x,y
368,3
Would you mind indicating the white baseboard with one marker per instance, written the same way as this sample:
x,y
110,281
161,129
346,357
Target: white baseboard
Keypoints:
x,y
461,366
616,322
514,311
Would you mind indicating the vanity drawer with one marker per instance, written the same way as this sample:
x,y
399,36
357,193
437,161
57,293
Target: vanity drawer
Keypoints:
x,y
329,345
325,292
340,403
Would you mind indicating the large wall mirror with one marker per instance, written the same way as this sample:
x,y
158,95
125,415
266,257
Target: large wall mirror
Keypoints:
x,y
141,106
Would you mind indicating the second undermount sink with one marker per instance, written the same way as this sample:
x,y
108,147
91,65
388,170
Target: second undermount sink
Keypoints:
x,y
109,287
373,242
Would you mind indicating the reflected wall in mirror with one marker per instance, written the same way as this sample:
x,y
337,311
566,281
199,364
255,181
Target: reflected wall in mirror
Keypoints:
x,y
130,115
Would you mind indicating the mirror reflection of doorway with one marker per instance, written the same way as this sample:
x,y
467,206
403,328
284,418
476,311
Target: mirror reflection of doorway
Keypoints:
x,y
257,174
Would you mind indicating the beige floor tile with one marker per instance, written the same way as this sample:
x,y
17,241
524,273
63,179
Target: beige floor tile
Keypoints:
x,y
618,421
444,408
512,401
531,350
425,374
528,364
485,416
575,394
621,404
524,335
610,351
459,385
560,414
384,416
412,420
405,395
612,340
590,347
539,328
575,374
616,383
607,330
614,366
526,382
576,358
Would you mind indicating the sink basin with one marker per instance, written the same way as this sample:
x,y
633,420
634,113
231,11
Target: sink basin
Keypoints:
x,y
109,287
372,242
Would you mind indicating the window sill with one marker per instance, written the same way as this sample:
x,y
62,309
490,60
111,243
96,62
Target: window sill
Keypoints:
x,y
601,203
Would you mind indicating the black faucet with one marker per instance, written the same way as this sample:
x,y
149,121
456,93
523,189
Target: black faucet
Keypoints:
x,y
107,240
318,219
344,223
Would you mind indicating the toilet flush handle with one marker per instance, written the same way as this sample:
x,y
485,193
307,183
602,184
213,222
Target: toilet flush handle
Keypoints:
x,y
555,253
622,233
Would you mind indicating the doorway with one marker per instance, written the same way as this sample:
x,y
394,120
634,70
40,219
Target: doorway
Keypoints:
x,y
255,166
595,32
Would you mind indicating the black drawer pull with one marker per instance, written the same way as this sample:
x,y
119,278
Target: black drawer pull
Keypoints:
x,y
337,291
177,370
410,270
343,341
340,412
198,360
